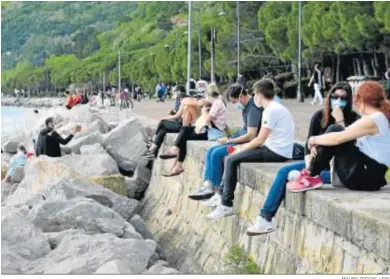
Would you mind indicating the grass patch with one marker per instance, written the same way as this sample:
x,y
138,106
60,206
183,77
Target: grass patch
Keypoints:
x,y
241,262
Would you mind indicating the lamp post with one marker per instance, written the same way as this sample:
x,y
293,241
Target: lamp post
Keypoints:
x,y
189,46
199,45
300,97
238,37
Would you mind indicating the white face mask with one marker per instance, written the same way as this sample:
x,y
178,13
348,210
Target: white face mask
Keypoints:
x,y
238,106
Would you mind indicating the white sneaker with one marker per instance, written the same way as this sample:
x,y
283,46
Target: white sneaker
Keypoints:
x,y
220,212
214,201
261,226
204,192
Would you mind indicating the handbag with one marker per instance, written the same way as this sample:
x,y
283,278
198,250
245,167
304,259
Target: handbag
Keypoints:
x,y
213,134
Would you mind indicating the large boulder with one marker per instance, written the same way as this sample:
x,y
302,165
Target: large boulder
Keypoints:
x,y
21,242
5,190
115,183
66,189
92,149
140,227
11,146
86,254
76,143
125,144
44,169
92,164
139,182
98,124
80,214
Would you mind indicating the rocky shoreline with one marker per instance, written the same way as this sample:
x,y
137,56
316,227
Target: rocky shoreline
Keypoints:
x,y
78,214
47,102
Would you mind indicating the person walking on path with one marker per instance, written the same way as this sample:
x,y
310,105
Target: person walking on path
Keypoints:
x,y
387,75
319,83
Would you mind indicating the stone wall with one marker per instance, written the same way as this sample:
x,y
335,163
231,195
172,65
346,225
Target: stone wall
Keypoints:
x,y
324,231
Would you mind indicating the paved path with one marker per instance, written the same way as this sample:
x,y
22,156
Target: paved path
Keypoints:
x,y
301,112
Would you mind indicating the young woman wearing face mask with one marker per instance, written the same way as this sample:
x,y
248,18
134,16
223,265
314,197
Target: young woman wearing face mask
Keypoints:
x,y
361,151
251,115
214,117
274,143
337,109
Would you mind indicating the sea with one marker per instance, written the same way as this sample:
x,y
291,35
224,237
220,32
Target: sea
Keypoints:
x,y
16,120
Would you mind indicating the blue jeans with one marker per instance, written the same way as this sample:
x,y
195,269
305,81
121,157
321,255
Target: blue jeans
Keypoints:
x,y
278,188
214,161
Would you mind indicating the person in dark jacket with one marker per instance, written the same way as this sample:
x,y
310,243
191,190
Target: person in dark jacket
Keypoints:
x,y
49,140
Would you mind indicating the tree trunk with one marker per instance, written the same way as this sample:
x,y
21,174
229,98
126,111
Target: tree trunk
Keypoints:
x,y
366,67
359,66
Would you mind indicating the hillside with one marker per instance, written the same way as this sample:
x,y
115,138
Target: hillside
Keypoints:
x,y
58,43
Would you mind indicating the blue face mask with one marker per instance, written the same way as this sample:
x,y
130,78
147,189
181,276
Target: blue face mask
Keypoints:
x,y
338,103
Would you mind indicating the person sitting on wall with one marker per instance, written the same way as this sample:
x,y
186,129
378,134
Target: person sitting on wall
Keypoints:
x,y
170,124
361,152
18,160
70,100
274,143
337,110
215,117
251,115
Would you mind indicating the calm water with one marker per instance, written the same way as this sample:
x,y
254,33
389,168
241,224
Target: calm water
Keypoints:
x,y
16,120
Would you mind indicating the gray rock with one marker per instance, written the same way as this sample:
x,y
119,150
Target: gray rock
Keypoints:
x,y
140,227
10,146
112,125
92,164
85,254
139,182
96,148
80,214
158,269
5,190
23,196
114,267
66,189
21,242
76,143
56,237
18,175
65,150
98,122
125,144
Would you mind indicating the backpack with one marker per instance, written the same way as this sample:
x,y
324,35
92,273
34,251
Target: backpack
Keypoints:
x,y
298,151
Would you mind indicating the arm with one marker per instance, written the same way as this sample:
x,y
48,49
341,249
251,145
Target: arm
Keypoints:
x,y
311,80
189,101
250,135
177,115
257,141
363,127
60,139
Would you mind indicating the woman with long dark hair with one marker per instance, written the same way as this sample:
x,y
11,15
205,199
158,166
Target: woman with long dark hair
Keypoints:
x,y
361,151
337,110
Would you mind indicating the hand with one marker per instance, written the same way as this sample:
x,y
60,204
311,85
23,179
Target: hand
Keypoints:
x,y
76,129
338,115
313,151
310,142
223,140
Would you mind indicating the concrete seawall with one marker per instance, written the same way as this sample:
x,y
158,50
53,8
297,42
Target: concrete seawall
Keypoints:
x,y
324,231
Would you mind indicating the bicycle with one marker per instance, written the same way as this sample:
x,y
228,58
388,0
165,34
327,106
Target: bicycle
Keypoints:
x,y
126,102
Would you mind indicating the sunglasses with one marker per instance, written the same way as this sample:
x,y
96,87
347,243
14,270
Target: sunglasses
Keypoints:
x,y
335,97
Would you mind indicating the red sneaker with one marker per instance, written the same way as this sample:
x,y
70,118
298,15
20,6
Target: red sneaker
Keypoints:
x,y
305,183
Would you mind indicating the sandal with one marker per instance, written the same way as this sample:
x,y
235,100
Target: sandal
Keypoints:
x,y
171,174
167,156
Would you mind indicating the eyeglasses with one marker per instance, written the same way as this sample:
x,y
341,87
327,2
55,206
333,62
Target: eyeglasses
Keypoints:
x,y
335,97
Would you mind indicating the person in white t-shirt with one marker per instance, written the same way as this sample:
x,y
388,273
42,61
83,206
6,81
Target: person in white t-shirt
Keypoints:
x,y
361,152
274,143
201,86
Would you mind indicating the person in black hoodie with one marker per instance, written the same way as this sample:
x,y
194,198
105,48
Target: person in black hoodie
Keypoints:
x,y
49,140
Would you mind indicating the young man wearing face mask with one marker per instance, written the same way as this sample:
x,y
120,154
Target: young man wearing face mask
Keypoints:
x,y
251,115
274,143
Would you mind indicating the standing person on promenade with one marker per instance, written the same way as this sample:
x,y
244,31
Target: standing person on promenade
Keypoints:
x,y
49,140
319,83
201,86
251,115
387,76
214,115
337,109
169,124
361,151
274,143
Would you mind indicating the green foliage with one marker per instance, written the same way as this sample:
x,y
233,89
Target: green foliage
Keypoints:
x,y
240,262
